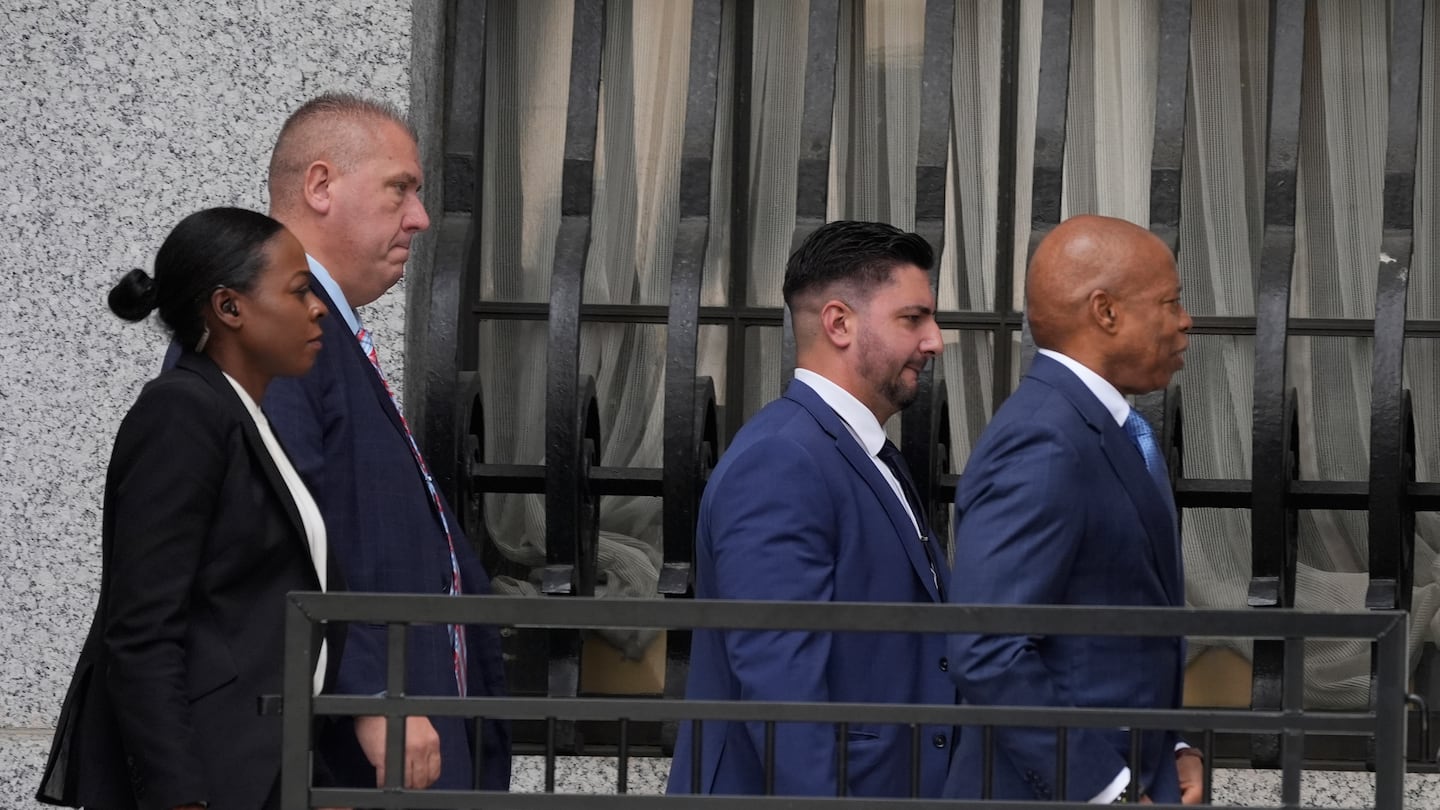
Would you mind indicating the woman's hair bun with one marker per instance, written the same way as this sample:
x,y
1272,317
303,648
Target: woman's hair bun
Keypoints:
x,y
133,297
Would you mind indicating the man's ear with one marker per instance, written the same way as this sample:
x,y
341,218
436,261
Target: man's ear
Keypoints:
x,y
1103,310
317,186
837,322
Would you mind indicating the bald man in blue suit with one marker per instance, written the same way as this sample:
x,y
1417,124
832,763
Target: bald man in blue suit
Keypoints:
x,y
1066,501
804,507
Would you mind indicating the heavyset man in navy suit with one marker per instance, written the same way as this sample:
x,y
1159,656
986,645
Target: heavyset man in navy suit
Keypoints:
x,y
344,177
802,507
1066,501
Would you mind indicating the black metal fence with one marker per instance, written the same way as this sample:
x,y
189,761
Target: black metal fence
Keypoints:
x,y
1383,721
574,478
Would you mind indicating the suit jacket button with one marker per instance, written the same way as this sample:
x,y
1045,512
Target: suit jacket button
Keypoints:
x,y
944,664
939,740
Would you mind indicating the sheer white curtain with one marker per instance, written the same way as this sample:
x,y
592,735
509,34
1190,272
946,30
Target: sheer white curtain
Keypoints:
x,y
643,88
1341,151
875,126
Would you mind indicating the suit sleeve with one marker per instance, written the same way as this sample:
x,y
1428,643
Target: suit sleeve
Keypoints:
x,y
167,469
1019,526
773,537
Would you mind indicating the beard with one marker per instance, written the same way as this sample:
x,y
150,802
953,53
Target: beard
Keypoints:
x,y
897,393
891,386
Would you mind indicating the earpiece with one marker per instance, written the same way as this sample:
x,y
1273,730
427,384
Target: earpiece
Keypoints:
x,y
229,308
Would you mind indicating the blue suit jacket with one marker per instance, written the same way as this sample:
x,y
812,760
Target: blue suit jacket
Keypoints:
x,y
796,510
346,439
1056,507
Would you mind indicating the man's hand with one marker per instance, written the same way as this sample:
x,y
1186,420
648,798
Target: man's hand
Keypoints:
x,y
422,750
1191,768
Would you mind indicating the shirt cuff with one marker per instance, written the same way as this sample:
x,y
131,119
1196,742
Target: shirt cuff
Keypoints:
x,y
1113,790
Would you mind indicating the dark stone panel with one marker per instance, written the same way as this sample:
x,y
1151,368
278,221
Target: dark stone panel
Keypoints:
x,y
459,173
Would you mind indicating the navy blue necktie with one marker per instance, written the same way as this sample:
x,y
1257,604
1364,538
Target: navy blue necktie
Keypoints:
x,y
890,454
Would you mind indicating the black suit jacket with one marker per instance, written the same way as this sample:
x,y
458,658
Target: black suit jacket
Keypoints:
x,y
201,541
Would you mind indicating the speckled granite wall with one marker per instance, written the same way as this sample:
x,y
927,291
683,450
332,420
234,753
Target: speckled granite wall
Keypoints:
x,y
117,119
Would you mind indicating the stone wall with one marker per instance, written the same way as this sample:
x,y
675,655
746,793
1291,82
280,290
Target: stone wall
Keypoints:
x,y
118,120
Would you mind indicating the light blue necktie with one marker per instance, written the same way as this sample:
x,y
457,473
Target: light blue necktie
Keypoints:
x,y
1144,440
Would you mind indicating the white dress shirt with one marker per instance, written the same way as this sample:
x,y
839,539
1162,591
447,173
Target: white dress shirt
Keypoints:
x,y
310,516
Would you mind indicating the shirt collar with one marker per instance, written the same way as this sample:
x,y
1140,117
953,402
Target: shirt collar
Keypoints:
x,y
852,412
1108,395
336,295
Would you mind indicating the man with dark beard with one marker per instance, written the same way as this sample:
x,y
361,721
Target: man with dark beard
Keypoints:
x,y
812,503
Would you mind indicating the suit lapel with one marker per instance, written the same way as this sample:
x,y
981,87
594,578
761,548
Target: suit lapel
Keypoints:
x,y
861,462
346,342
1155,507
212,375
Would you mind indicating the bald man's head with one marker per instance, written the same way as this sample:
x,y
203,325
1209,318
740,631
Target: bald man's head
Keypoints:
x,y
337,128
1104,291
1084,254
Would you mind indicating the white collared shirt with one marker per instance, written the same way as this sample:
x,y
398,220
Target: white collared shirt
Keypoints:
x,y
1109,396
310,516
337,295
862,424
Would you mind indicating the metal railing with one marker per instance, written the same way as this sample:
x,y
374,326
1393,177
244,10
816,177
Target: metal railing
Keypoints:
x,y
1383,721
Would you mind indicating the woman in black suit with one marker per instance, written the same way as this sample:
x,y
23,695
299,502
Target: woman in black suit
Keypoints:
x,y
206,527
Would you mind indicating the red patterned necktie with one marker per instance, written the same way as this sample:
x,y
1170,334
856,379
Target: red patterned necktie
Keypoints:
x,y
457,631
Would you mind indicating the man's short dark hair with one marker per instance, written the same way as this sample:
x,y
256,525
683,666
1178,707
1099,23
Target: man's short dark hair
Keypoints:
x,y
859,254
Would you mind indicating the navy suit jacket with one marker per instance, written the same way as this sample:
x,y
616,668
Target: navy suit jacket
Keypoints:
x,y
1056,508
348,442
796,510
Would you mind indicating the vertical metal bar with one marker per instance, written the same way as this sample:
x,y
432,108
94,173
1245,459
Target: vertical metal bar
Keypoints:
x,y
1389,708
1132,790
1391,521
1005,202
697,738
914,761
622,764
1207,747
477,756
987,761
468,346
1062,764
842,759
1171,85
769,757
735,378
296,707
395,656
1292,743
549,755
1272,543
